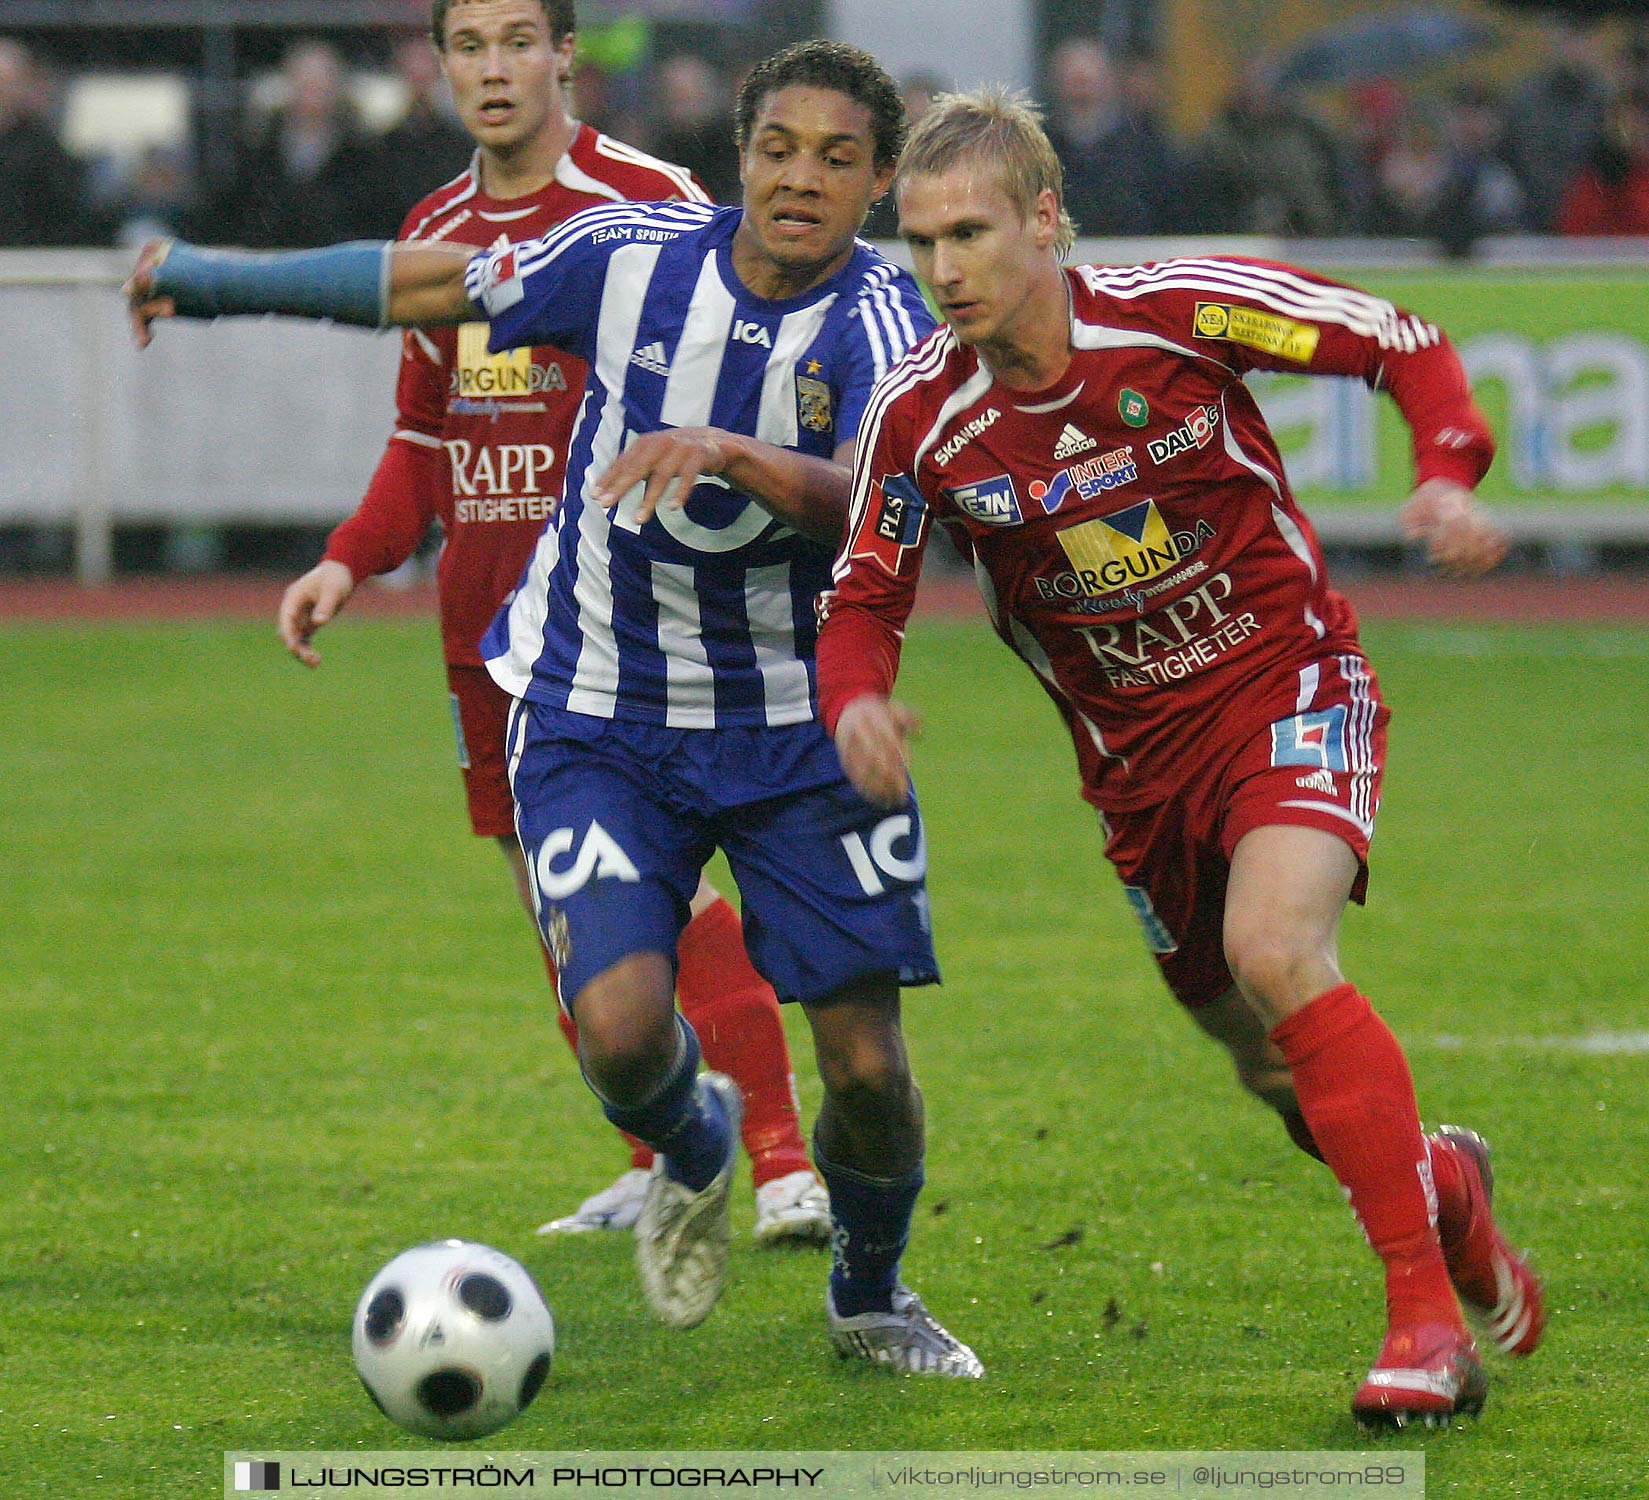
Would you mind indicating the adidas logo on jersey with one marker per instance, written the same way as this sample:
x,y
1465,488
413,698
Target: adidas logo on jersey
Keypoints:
x,y
652,358
1072,441
1317,781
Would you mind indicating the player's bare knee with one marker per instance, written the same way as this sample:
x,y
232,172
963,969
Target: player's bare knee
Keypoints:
x,y
866,1080
627,1040
871,1099
873,1125
1276,970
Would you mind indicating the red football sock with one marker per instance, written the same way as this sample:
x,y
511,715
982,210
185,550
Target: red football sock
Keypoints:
x,y
1357,1098
736,1015
641,1154
1452,1204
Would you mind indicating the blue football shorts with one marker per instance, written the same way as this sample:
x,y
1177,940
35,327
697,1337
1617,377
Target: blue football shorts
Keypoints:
x,y
617,820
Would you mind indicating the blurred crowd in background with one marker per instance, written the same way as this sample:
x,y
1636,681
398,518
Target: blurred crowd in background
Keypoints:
x,y
336,147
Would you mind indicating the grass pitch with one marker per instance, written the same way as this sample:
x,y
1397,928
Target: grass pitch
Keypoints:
x,y
272,1016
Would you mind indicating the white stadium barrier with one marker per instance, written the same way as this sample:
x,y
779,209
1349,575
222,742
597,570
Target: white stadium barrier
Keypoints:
x,y
275,421
254,420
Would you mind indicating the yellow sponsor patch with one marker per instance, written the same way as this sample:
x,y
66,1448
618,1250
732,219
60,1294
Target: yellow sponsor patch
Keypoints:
x,y
480,373
1128,546
1257,330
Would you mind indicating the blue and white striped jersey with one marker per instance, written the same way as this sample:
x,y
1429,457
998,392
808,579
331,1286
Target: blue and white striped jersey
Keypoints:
x,y
704,616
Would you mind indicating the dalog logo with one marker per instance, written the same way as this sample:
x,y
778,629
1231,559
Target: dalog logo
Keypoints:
x,y
1196,431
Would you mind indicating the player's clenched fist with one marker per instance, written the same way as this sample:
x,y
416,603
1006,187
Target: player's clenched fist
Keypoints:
x,y
1462,539
142,306
870,739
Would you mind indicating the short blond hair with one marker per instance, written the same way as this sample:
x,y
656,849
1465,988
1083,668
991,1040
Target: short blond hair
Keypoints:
x,y
1000,126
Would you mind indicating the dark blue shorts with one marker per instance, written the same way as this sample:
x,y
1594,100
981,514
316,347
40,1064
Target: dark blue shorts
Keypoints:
x,y
618,819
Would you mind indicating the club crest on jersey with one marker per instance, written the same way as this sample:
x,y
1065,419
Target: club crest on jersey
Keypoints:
x,y
813,404
991,502
899,521
1196,431
1132,407
1257,330
1126,547
1093,476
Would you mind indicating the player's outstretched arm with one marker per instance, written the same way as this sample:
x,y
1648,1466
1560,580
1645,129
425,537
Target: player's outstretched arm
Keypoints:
x,y
807,493
308,603
368,283
871,736
1462,539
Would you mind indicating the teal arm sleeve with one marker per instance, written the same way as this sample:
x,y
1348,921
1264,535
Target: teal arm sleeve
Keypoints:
x,y
347,283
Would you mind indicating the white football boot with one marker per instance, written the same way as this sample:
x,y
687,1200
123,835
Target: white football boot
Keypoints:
x,y
682,1236
792,1208
615,1207
909,1340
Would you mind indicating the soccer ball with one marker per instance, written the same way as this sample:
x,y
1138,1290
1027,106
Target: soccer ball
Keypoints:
x,y
453,1340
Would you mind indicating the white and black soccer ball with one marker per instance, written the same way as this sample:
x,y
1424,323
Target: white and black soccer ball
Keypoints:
x,y
453,1339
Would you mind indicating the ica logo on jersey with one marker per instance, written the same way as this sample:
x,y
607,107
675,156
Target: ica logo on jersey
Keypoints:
x,y
746,331
896,848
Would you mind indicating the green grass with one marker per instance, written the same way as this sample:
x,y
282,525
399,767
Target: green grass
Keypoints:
x,y
271,1016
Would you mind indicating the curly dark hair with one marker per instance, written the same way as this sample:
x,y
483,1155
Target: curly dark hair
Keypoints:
x,y
559,13
828,65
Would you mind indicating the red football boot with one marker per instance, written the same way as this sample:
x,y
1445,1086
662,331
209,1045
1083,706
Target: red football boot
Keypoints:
x,y
1494,1281
1428,1373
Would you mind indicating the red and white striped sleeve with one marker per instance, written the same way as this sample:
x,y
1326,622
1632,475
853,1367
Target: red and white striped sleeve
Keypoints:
x,y
862,616
1255,314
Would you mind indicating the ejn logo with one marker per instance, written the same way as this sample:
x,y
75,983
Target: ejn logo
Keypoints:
x,y
257,1476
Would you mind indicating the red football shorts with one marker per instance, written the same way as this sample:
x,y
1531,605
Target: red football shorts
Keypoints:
x,y
480,709
1320,769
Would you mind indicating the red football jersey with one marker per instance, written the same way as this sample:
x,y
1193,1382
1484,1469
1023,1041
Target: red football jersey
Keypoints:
x,y
1131,526
480,439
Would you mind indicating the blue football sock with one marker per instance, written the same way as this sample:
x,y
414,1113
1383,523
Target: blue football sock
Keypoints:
x,y
685,1124
872,1226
